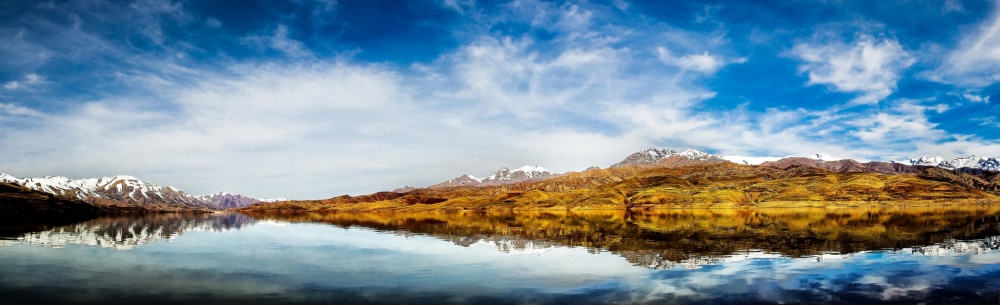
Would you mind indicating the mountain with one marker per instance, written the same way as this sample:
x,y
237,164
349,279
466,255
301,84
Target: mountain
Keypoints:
x,y
844,165
502,176
972,162
788,182
19,204
662,157
760,160
654,156
223,200
128,191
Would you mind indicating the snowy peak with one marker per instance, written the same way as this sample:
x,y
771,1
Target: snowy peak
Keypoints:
x,y
127,190
655,155
973,162
760,160
523,173
504,175
824,157
696,154
927,161
750,160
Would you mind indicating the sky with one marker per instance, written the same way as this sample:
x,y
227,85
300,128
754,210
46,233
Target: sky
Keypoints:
x,y
309,99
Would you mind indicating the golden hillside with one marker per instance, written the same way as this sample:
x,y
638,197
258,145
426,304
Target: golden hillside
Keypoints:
x,y
715,185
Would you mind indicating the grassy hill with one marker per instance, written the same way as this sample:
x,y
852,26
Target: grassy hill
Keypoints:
x,y
711,185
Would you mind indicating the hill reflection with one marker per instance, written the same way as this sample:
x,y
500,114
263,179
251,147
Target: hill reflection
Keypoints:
x,y
124,232
691,238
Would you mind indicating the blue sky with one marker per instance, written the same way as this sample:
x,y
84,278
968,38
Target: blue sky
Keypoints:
x,y
312,99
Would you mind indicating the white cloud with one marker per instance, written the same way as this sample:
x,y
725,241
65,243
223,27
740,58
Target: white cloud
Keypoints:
x,y
976,60
904,122
952,6
622,5
29,79
975,98
279,41
153,14
989,122
314,130
11,109
213,22
32,78
703,62
305,128
868,67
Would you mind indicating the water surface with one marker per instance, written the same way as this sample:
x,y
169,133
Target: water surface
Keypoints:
x,y
904,256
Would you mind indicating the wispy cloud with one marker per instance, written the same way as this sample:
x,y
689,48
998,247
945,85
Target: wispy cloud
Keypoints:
x,y
279,41
703,62
905,121
11,109
976,98
561,85
976,61
29,79
868,66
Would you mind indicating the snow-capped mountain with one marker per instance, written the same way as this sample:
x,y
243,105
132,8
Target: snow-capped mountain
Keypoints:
x,y
224,200
751,160
974,162
760,160
662,157
128,191
502,176
527,172
655,155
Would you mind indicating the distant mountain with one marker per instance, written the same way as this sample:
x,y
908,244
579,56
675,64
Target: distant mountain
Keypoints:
x,y
502,176
973,162
788,182
654,156
129,191
224,200
760,160
843,165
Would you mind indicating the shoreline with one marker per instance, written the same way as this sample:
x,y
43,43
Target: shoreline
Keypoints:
x,y
377,207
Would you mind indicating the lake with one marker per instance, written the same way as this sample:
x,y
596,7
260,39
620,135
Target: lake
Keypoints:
x,y
753,256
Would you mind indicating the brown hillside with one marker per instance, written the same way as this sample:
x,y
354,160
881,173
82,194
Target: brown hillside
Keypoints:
x,y
790,183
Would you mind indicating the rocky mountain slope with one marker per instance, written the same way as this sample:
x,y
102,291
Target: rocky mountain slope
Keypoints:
x,y
662,157
128,191
659,156
971,162
786,182
502,176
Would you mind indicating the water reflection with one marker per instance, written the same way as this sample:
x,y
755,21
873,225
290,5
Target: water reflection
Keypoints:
x,y
124,232
691,238
676,257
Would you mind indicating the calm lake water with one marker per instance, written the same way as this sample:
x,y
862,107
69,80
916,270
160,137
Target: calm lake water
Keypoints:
x,y
818,256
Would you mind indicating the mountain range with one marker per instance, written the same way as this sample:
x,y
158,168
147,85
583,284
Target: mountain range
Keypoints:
x,y
128,191
662,157
974,173
691,178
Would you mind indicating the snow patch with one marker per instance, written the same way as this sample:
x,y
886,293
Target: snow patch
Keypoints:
x,y
750,160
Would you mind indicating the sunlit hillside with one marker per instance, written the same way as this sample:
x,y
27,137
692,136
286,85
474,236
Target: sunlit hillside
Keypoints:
x,y
702,185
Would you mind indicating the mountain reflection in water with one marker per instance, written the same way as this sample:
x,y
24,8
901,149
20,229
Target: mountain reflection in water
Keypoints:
x,y
690,238
124,232
782,256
